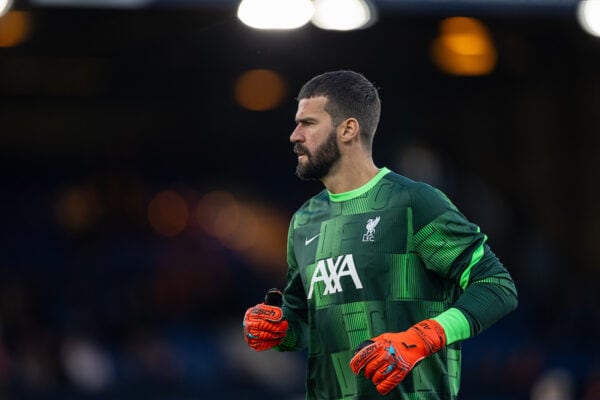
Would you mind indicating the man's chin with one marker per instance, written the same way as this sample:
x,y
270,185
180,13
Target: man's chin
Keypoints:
x,y
301,175
305,175
308,175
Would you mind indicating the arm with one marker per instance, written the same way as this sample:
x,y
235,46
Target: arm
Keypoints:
x,y
455,249
283,326
482,304
294,304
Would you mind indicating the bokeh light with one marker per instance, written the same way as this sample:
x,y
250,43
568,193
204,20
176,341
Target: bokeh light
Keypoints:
x,y
168,213
260,90
464,47
257,232
243,227
223,216
15,28
77,208
343,15
275,14
588,16
210,211
5,6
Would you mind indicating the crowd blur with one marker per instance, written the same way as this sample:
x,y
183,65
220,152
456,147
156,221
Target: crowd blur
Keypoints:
x,y
94,302
97,303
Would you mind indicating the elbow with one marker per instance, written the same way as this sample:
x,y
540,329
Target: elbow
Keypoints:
x,y
513,301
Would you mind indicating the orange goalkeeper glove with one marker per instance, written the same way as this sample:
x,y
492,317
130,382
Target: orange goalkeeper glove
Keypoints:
x,y
389,357
264,326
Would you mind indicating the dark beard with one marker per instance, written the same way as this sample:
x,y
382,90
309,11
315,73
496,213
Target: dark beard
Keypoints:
x,y
320,163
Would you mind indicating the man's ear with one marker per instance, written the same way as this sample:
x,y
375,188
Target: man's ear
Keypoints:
x,y
348,130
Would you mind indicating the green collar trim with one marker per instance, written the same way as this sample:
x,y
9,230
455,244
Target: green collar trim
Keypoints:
x,y
337,197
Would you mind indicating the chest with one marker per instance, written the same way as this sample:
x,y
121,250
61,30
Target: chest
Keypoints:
x,y
365,235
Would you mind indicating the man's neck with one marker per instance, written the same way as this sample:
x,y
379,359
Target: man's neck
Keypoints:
x,y
350,175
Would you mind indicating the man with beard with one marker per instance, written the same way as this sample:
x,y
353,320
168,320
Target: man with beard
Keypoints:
x,y
385,276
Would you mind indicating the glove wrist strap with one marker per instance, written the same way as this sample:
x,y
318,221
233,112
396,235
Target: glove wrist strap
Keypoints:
x,y
432,333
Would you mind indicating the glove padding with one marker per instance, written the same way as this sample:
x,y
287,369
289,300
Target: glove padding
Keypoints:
x,y
264,326
391,356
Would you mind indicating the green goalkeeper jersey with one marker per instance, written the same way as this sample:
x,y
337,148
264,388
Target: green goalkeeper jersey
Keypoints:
x,y
380,259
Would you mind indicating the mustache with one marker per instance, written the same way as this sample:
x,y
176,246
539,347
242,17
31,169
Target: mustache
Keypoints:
x,y
298,148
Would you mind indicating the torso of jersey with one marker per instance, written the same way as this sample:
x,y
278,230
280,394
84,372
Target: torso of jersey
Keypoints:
x,y
356,271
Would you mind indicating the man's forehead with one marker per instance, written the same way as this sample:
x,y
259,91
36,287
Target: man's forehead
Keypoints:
x,y
311,105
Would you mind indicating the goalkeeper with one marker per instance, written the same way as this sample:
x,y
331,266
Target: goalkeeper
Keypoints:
x,y
385,276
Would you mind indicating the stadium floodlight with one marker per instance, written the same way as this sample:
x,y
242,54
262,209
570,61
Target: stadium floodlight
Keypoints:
x,y
343,15
588,16
5,6
275,14
116,4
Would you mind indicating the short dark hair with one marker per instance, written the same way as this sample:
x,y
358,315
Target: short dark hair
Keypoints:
x,y
349,94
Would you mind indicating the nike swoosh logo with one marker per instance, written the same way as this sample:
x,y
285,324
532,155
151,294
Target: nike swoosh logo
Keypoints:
x,y
308,241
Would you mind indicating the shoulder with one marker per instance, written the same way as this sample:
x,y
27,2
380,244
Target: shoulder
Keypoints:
x,y
319,200
425,201
418,191
316,205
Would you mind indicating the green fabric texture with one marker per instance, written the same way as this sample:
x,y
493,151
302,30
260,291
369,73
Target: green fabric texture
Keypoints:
x,y
379,259
455,324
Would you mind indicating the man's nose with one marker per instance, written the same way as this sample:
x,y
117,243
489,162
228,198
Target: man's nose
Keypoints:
x,y
296,135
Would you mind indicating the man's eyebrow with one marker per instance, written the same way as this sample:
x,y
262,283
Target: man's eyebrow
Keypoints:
x,y
305,119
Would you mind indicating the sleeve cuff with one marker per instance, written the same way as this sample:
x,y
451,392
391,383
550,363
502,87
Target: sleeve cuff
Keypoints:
x,y
455,324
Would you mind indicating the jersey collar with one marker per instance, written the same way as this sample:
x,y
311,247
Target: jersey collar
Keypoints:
x,y
337,197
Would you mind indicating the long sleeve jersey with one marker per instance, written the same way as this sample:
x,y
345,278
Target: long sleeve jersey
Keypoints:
x,y
378,259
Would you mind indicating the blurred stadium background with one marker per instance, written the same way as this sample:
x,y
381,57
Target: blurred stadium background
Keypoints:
x,y
146,182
